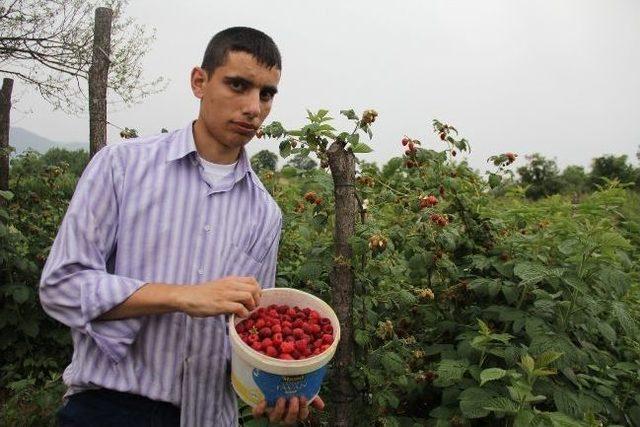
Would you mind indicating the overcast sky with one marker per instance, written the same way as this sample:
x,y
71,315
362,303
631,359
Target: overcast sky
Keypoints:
x,y
559,77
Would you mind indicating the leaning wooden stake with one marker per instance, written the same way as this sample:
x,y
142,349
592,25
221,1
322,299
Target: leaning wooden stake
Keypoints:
x,y
343,171
5,113
98,76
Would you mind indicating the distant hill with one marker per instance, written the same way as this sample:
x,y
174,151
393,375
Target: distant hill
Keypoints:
x,y
22,139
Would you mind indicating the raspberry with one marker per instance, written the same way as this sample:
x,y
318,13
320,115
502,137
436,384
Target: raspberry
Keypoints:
x,y
301,345
298,333
265,332
277,339
271,351
287,347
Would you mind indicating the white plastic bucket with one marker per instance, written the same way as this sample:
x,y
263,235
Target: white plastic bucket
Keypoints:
x,y
255,376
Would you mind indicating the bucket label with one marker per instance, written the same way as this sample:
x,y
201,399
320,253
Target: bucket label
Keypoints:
x,y
275,386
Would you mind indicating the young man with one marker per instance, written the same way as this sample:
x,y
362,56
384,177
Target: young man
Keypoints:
x,y
163,238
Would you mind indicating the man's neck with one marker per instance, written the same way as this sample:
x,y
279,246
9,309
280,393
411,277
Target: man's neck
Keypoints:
x,y
210,149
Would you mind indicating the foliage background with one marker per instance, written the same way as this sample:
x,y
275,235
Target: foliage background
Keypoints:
x,y
521,310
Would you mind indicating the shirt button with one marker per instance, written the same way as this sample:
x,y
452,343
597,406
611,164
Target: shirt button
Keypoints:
x,y
201,271
207,228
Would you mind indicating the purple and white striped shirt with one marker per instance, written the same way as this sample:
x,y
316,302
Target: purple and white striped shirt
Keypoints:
x,y
142,212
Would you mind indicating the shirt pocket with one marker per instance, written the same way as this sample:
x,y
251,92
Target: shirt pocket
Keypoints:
x,y
240,263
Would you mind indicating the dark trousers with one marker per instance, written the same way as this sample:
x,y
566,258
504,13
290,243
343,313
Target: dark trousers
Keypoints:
x,y
108,408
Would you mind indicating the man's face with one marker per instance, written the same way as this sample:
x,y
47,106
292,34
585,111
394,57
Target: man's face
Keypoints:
x,y
235,99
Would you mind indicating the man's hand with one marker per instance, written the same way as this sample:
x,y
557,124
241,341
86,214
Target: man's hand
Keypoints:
x,y
238,295
288,413
232,294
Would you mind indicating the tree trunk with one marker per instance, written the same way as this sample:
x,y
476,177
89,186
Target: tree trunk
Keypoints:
x,y
343,171
98,75
5,113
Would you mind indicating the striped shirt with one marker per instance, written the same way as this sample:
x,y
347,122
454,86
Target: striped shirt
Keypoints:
x,y
142,212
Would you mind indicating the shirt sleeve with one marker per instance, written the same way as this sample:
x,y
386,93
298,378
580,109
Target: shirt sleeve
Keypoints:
x,y
266,275
75,287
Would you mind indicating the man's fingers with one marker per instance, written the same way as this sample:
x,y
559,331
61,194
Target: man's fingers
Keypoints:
x,y
292,413
278,411
237,309
318,403
304,409
259,409
245,298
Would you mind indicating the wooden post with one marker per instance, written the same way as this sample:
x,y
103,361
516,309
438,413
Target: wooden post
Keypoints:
x,y
5,113
343,171
98,76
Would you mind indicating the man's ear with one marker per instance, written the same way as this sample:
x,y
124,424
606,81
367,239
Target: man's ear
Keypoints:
x,y
198,79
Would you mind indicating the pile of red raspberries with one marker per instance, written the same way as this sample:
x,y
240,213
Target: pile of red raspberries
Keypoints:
x,y
288,333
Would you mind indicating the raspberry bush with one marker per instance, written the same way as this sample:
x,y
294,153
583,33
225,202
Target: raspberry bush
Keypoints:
x,y
472,305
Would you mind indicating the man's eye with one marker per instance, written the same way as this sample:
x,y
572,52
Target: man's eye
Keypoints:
x,y
266,96
237,86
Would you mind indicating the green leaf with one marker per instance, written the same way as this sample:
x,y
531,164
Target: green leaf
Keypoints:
x,y
494,180
450,372
361,337
544,372
20,293
285,148
392,362
350,114
30,327
473,401
559,419
274,130
7,195
491,374
524,418
604,391
547,358
530,273
527,363
502,404
607,332
621,313
392,399
361,148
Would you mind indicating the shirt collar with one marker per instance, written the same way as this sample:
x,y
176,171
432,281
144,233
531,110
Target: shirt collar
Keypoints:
x,y
183,144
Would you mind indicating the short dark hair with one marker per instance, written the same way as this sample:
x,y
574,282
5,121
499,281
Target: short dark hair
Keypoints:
x,y
241,39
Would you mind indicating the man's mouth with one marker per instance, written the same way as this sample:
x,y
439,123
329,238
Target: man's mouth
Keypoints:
x,y
244,127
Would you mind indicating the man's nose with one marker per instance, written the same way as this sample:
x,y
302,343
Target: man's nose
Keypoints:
x,y
252,105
